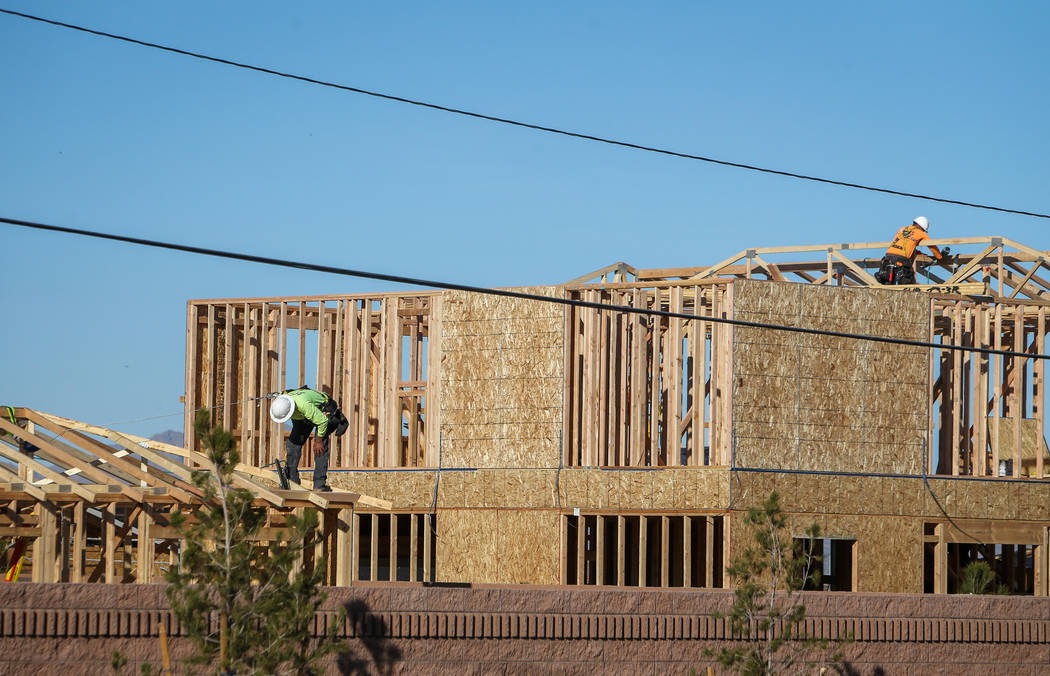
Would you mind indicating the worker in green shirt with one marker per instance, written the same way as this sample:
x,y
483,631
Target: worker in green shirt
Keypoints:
x,y
307,409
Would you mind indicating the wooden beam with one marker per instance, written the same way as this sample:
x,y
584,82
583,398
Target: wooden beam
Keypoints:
x,y
971,267
59,457
718,266
45,471
861,274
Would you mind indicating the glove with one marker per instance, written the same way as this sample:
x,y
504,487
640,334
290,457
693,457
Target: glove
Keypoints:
x,y
947,253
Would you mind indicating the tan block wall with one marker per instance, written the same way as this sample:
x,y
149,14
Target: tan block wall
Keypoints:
x,y
62,629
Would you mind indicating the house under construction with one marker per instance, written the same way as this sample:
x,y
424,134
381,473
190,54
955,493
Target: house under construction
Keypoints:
x,y
499,439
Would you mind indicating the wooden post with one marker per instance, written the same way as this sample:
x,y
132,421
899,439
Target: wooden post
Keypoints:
x,y
344,551
673,377
980,417
639,364
687,551
191,374
413,547
373,568
581,560
709,552
997,383
1017,400
940,561
1039,391
364,378
956,390
601,402
355,554
621,551
428,531
643,549
589,404
665,551
109,542
79,542
144,574
393,547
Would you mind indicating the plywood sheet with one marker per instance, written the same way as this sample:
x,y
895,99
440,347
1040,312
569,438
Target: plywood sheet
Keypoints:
x,y
501,381
467,546
827,403
528,547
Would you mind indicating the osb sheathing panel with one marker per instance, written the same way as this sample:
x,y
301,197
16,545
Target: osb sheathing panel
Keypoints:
x,y
889,550
498,546
528,547
467,546
826,403
592,489
889,554
501,381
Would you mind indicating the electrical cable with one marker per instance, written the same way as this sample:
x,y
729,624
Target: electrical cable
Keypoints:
x,y
926,481
516,123
400,279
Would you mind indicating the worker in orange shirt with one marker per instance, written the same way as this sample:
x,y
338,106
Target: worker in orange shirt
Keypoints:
x,y
897,265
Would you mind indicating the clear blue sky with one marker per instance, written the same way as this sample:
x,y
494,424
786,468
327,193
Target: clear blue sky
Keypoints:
x,y
941,98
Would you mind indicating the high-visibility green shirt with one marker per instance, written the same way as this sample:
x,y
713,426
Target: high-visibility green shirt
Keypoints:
x,y
308,407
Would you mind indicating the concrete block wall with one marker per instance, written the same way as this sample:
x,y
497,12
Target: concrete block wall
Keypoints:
x,y
74,628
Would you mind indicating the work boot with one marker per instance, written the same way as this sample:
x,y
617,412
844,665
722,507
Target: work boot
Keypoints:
x,y
323,489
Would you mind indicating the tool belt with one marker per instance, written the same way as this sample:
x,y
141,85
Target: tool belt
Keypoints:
x,y
895,269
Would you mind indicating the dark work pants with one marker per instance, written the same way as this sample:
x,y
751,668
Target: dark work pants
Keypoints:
x,y
301,430
903,272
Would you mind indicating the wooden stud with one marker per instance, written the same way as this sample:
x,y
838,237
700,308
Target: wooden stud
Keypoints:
x,y
79,542
673,377
355,554
665,551
413,547
643,549
709,552
109,535
265,385
365,376
997,382
656,408
980,455
1039,390
581,559
588,406
1017,390
687,551
621,550
639,366
601,401
344,549
146,552
599,549
373,568
393,547
392,369
210,365
940,561
957,422
192,368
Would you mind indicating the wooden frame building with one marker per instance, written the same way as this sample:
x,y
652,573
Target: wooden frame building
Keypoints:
x,y
522,441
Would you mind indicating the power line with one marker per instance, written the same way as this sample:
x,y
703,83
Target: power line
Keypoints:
x,y
516,123
452,286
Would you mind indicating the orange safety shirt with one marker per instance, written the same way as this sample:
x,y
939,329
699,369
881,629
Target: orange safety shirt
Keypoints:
x,y
907,239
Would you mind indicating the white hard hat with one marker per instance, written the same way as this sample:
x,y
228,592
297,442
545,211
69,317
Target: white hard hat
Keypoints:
x,y
282,408
922,222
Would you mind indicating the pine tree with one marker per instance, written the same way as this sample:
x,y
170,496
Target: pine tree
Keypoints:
x,y
247,608
767,608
